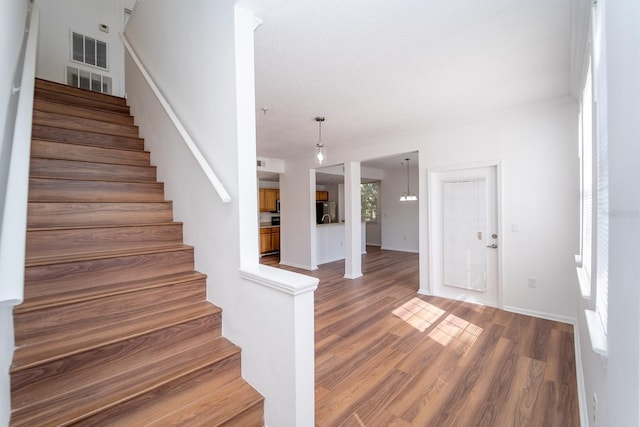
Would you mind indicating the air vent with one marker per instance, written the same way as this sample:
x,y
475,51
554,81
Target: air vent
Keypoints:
x,y
88,50
84,79
261,163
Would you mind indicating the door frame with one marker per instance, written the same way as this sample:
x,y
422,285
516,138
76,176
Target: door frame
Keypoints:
x,y
432,204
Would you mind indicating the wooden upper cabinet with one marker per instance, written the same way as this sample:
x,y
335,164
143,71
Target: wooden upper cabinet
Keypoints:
x,y
268,197
322,196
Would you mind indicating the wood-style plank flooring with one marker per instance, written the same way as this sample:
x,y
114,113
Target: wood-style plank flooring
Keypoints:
x,y
386,356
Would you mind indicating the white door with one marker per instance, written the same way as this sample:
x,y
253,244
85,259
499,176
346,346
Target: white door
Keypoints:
x,y
464,235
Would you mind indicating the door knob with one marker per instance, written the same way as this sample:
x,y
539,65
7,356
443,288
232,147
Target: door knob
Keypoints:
x,y
493,246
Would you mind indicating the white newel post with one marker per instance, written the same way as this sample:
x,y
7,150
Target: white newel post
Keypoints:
x,y
278,359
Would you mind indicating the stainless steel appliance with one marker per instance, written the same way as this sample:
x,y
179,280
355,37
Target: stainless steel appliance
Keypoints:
x,y
326,212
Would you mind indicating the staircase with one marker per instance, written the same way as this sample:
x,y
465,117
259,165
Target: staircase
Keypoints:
x,y
115,328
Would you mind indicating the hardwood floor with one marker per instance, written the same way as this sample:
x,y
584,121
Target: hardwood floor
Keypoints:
x,y
386,356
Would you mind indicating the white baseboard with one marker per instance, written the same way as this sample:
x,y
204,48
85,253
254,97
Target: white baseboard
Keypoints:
x,y
423,292
541,315
385,248
294,265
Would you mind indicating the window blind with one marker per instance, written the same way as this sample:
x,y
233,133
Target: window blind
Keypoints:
x,y
587,174
602,167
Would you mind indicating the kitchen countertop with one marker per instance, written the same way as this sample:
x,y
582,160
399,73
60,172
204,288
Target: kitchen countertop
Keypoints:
x,y
267,225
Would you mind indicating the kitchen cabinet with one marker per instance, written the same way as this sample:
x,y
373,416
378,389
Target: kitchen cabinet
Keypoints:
x,y
322,196
268,198
269,239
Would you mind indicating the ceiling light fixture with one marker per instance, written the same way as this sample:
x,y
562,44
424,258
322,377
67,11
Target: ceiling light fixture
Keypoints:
x,y
408,196
320,150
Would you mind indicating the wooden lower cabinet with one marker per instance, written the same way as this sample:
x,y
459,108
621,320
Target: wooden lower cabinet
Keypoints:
x,y
269,239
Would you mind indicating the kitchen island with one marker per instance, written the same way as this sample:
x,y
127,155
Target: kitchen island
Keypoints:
x,y
330,242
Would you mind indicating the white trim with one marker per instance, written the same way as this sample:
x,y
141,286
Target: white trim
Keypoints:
x,y
352,276
284,281
582,392
499,208
385,248
195,151
540,314
596,334
423,292
300,266
584,283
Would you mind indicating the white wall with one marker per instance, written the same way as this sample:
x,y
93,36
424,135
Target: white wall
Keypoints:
x,y
623,65
58,17
297,216
273,327
12,24
617,383
399,220
538,149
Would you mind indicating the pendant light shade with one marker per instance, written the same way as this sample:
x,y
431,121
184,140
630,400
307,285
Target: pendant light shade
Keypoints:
x,y
408,196
320,150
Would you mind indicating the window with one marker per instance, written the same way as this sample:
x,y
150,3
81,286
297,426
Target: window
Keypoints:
x,y
84,79
602,168
88,50
369,201
586,181
594,149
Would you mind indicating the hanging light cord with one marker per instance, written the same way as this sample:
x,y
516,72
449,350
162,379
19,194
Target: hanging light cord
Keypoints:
x,y
320,120
408,192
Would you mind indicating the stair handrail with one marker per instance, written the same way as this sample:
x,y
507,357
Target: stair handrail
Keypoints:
x,y
14,217
193,147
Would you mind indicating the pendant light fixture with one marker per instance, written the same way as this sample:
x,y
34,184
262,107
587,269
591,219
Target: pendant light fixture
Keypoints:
x,y
320,150
408,196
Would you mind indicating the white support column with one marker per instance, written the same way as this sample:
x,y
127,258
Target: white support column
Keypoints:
x,y
245,24
353,228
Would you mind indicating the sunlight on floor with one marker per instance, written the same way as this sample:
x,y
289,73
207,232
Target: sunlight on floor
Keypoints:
x,y
454,328
422,315
418,313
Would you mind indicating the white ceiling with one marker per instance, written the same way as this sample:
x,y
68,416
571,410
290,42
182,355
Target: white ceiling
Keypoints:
x,y
375,68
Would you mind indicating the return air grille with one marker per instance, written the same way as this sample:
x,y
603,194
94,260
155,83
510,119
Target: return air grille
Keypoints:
x,y
84,79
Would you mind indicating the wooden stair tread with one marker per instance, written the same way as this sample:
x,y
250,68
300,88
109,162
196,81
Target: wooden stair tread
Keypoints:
x,y
75,190
57,322
93,227
66,408
211,407
89,256
48,242
88,137
45,149
76,342
86,369
69,99
94,171
65,277
77,92
87,112
70,214
64,121
77,240
60,298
